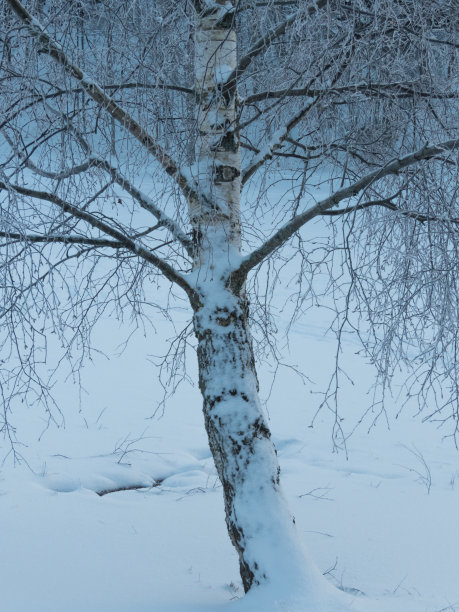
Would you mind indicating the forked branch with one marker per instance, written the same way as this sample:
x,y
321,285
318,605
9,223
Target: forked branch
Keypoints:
x,y
229,88
288,230
94,161
49,46
129,243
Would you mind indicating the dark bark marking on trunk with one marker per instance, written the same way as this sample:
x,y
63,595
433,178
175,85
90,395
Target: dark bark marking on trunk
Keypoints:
x,y
226,174
227,22
228,142
224,342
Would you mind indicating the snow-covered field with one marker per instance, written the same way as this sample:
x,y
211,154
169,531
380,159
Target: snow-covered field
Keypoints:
x,y
381,523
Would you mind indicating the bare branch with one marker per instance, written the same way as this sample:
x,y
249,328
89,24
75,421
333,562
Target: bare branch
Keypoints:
x,y
95,91
52,238
292,226
387,203
401,90
229,88
132,245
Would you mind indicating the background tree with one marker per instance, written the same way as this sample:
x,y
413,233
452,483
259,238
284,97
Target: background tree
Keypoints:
x,y
130,131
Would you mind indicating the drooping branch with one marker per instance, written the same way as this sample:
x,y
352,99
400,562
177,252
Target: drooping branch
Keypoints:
x,y
61,238
288,230
40,278
49,46
387,203
93,161
229,88
58,176
400,90
129,243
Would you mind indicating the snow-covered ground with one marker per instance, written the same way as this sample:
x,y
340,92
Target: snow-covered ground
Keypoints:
x,y
381,523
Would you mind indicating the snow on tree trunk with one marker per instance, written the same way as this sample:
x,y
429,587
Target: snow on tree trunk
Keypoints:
x,y
259,523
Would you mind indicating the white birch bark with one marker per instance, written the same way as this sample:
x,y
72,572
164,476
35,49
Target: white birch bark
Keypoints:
x,y
258,520
259,523
215,215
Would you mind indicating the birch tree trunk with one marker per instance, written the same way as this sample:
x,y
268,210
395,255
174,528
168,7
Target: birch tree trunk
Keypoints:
x,y
258,521
215,213
259,524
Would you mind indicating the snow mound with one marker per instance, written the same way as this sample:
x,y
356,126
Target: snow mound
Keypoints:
x,y
104,474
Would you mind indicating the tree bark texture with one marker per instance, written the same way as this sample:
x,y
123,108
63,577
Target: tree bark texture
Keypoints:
x,y
217,170
258,521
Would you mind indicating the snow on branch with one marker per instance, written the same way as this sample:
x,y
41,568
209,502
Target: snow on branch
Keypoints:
x,y
62,238
93,161
229,88
127,242
397,89
49,46
288,230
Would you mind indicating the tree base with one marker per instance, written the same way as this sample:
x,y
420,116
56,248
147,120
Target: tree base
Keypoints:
x,y
323,597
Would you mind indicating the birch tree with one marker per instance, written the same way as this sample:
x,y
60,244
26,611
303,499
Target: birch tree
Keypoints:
x,y
139,142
